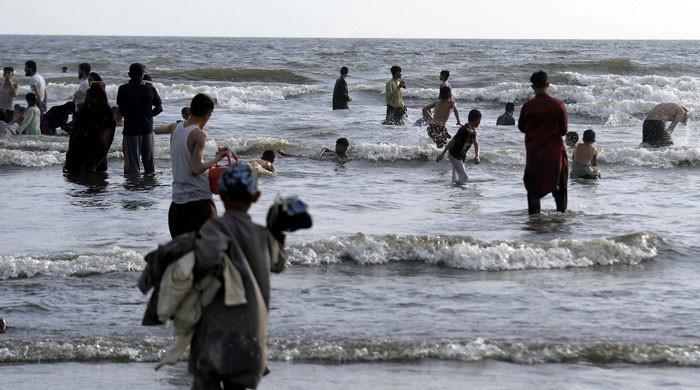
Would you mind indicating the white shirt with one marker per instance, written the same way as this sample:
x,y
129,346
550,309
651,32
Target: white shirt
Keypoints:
x,y
84,86
39,85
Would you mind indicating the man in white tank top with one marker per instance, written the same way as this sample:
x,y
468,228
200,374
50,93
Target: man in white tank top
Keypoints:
x,y
192,203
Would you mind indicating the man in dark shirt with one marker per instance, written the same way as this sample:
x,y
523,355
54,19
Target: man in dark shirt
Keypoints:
x,y
544,121
138,102
340,91
507,118
460,144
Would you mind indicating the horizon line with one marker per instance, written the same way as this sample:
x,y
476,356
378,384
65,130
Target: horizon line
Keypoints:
x,y
343,37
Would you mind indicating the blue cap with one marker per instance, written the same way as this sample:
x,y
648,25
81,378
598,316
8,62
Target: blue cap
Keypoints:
x,y
239,177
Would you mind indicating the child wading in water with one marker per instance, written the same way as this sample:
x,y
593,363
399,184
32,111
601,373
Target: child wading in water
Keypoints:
x,y
443,107
585,159
460,144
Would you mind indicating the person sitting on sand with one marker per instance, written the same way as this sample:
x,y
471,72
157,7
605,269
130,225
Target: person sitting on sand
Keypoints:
x,y
654,130
507,118
571,139
585,159
442,109
340,151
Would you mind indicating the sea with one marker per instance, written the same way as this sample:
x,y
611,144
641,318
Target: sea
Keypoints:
x,y
405,281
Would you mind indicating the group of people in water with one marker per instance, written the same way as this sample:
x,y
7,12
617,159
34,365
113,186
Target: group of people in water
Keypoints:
x,y
213,278
544,120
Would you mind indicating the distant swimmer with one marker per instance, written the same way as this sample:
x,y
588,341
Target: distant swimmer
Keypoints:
x,y
438,113
458,147
265,164
584,164
654,131
340,91
3,326
507,118
340,151
395,108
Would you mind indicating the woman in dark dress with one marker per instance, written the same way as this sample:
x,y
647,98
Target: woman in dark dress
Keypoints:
x,y
93,131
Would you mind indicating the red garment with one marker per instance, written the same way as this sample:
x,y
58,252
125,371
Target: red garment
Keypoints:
x,y
544,121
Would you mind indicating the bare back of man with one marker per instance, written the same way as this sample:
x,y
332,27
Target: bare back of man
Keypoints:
x,y
442,111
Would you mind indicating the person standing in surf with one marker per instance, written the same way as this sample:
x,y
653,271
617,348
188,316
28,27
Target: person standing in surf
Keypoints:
x,y
37,84
654,130
458,147
340,91
441,110
192,203
138,102
395,108
544,120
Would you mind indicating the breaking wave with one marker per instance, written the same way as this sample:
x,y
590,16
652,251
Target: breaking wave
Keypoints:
x,y
476,255
369,351
240,97
234,75
111,260
451,251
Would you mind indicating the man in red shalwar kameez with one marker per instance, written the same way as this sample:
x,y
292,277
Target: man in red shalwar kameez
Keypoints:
x,y
544,121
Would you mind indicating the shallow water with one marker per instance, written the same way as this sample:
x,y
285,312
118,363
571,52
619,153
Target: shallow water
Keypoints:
x,y
405,277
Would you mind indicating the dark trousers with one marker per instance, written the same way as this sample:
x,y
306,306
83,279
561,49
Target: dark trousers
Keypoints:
x,y
190,216
203,383
135,148
560,198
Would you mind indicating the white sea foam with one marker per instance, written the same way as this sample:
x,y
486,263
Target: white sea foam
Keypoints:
x,y
358,351
667,157
482,349
615,97
242,97
254,145
111,260
475,255
25,158
384,151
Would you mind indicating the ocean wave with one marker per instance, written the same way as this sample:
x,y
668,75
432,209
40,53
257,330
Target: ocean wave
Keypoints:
x,y
451,251
619,99
249,97
111,260
84,350
254,145
606,66
370,351
471,254
668,157
385,151
24,158
481,349
233,75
